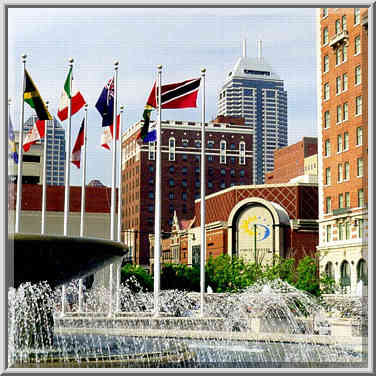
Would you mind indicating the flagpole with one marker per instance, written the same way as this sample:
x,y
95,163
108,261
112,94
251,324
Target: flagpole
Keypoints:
x,y
118,271
44,188
202,204
67,157
20,151
120,175
158,203
113,188
83,205
83,185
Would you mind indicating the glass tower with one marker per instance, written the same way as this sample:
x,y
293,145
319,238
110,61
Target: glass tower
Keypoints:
x,y
253,91
55,150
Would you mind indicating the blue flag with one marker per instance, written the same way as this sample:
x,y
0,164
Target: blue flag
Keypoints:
x,y
11,141
151,136
105,103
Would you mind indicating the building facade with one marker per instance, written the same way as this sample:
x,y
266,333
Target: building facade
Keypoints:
x,y
343,146
253,91
289,162
229,161
253,222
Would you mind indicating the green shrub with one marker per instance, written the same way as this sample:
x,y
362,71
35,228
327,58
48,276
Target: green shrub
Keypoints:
x,y
143,278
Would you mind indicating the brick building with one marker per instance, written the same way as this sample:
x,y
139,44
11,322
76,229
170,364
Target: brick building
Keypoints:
x,y
229,162
253,222
343,146
289,161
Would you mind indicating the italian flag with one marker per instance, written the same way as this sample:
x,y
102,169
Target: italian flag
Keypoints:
x,y
36,133
69,93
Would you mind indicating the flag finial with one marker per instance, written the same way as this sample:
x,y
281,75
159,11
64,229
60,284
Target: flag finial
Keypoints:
x,y
71,60
203,70
9,100
85,106
159,66
121,108
24,56
116,64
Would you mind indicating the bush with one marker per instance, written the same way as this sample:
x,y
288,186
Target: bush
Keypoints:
x,y
143,278
307,276
180,277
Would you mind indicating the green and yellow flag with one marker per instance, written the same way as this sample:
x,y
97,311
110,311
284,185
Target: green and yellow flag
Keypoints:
x,y
34,100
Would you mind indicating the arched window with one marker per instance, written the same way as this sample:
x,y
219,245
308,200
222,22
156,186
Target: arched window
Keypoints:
x,y
329,269
345,274
361,271
171,149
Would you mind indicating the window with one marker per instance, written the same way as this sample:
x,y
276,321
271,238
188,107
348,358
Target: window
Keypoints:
x,y
184,196
171,149
359,136
358,105
184,170
210,171
346,141
345,82
151,168
197,183
171,196
328,233
184,183
359,165
198,144
344,53
196,255
338,85
340,231
347,199
357,45
347,170
327,148
150,208
151,194
242,152
184,143
344,23
340,172
197,170
326,64
210,184
326,119
338,26
360,198
360,223
338,56
210,158
232,172
345,274
222,151
345,111
184,157
356,16
339,113
325,36
223,184
358,75
232,160
328,204
328,176
326,91
324,12
340,201
171,169
171,182
339,143
171,208
152,151
151,181
329,270
361,272
223,171
241,173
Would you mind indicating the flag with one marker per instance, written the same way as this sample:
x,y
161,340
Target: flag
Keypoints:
x,y
11,142
72,93
108,132
36,133
76,152
34,100
105,103
144,133
178,95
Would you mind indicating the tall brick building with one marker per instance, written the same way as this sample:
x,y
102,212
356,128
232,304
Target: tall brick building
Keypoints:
x,y
343,146
229,153
289,161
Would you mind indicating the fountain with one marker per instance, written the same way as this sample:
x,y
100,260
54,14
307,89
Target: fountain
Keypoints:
x,y
269,324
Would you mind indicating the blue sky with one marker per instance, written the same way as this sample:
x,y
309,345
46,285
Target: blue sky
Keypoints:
x,y
182,40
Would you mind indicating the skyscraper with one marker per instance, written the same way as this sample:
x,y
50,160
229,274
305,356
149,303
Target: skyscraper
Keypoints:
x,y
55,150
253,91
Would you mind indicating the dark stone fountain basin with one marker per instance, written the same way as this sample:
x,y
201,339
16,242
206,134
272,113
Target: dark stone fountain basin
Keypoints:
x,y
59,259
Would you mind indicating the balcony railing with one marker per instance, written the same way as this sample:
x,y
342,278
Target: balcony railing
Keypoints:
x,y
339,38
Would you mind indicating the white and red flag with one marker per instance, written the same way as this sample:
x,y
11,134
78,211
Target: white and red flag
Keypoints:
x,y
76,152
35,134
107,134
